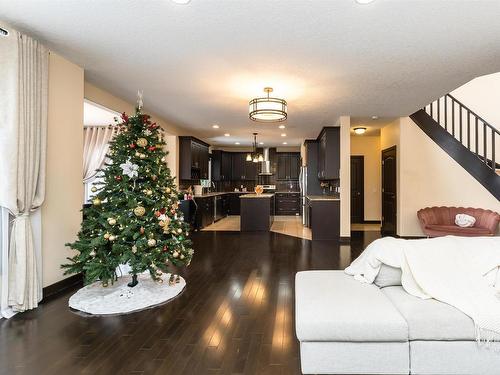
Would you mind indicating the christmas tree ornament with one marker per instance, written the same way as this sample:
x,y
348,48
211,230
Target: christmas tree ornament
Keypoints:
x,y
111,221
118,178
149,192
161,223
134,249
106,235
96,202
112,237
92,253
151,242
168,190
142,156
93,189
182,256
142,142
151,148
137,154
141,230
130,169
139,211
179,230
132,145
175,254
154,177
147,132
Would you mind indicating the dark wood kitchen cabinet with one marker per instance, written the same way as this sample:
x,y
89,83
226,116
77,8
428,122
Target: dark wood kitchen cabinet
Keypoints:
x,y
193,159
287,203
288,165
204,211
329,153
221,166
242,169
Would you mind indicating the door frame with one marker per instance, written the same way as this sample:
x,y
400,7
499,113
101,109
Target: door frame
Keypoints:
x,y
361,157
384,151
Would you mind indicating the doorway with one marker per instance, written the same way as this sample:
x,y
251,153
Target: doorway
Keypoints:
x,y
389,192
357,189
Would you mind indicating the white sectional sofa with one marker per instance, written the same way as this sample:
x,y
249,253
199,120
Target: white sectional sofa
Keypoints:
x,y
347,327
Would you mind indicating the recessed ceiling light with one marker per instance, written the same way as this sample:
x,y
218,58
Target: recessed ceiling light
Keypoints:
x,y
283,134
215,126
364,1
226,134
181,1
261,143
282,126
285,143
360,130
236,143
374,117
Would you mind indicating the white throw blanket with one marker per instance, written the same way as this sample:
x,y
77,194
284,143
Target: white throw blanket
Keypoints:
x,y
454,270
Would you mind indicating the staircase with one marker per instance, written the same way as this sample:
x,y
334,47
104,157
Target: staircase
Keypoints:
x,y
466,137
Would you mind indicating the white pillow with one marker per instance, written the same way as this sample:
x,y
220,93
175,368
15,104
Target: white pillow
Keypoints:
x,y
464,220
388,276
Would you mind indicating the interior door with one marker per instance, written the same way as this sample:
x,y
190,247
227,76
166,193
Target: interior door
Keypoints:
x,y
389,192
357,189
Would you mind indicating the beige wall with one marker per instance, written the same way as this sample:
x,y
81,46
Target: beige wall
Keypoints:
x,y
104,98
345,176
369,147
60,212
428,176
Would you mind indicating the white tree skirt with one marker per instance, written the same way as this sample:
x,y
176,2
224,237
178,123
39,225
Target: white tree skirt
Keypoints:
x,y
119,298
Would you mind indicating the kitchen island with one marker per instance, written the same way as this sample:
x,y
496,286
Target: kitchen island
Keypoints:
x,y
257,212
324,216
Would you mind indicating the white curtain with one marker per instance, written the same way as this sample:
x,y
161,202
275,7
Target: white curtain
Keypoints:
x,y
23,112
95,145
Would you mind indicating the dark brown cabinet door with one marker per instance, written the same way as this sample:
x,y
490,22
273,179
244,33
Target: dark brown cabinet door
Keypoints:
x,y
238,166
250,169
203,161
294,166
226,166
283,166
389,191
357,189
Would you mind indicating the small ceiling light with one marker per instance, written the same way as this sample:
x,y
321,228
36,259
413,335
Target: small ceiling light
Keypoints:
x,y
374,117
226,134
182,2
236,143
215,126
261,143
364,1
282,126
254,155
285,143
267,109
283,134
360,130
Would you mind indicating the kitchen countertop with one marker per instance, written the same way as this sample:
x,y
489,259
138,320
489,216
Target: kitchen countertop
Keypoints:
x,y
216,193
323,197
288,192
263,195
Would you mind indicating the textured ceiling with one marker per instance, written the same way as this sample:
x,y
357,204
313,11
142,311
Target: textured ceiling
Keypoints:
x,y
200,63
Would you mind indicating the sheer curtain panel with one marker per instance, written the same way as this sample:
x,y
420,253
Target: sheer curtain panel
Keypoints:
x,y
23,113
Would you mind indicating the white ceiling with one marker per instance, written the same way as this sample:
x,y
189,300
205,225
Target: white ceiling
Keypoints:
x,y
96,115
201,63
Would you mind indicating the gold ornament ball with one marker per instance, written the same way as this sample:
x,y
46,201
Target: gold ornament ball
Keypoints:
x,y
96,202
134,249
167,190
112,238
143,156
179,230
142,142
149,192
182,256
175,254
93,189
111,221
137,154
139,211
151,242
106,235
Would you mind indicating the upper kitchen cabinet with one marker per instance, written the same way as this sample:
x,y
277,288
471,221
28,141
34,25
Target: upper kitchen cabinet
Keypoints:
x,y
243,169
221,166
193,159
288,165
329,154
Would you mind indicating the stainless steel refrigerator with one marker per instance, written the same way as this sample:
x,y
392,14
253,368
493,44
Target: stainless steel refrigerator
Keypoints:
x,y
303,195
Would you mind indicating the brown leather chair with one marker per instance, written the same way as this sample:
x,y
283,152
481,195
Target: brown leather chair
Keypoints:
x,y
440,221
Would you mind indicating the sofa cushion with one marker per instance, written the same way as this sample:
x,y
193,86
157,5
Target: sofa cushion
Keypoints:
x,y
332,306
430,319
455,229
388,276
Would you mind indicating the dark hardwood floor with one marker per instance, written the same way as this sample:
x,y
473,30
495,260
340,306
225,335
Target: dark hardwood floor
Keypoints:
x,y
236,316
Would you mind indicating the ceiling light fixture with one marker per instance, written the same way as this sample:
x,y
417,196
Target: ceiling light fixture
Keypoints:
x,y
364,1
283,134
267,109
254,156
282,126
215,126
236,143
226,134
261,143
182,2
374,117
285,143
360,130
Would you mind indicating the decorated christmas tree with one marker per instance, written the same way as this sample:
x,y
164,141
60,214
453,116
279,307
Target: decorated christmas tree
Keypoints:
x,y
134,217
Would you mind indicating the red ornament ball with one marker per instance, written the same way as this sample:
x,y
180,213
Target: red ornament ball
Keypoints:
x,y
152,148
118,178
157,213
